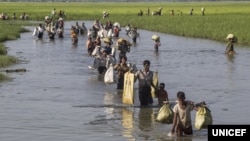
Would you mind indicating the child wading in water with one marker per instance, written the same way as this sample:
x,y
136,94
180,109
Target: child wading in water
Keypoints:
x,y
162,94
182,123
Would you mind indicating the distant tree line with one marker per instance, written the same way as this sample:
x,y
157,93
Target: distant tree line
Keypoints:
x,y
117,0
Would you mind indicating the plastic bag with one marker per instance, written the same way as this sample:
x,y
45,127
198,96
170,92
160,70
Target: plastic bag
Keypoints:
x,y
96,51
110,76
165,114
203,118
35,32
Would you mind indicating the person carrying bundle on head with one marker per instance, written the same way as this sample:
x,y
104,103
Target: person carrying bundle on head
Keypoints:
x,y
156,38
123,47
230,45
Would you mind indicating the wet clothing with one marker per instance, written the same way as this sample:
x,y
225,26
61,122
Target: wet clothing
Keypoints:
x,y
60,32
121,70
133,34
40,32
157,44
123,49
108,50
90,46
162,96
95,30
184,115
127,29
145,81
52,35
230,47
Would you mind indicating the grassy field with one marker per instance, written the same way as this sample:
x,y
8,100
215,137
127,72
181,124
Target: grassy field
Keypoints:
x,y
220,19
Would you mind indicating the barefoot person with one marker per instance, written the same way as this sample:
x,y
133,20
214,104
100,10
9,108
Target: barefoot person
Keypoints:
x,y
182,123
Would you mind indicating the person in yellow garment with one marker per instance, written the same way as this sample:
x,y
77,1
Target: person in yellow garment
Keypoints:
x,y
145,78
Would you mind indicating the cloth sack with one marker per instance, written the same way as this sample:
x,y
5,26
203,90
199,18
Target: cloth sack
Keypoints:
x,y
203,118
128,89
166,114
155,83
155,37
230,36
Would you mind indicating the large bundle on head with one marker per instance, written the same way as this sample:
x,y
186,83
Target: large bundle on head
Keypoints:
x,y
60,19
123,45
117,24
106,40
155,37
232,37
122,40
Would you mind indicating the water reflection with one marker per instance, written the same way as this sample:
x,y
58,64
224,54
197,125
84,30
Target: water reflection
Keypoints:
x,y
230,58
108,100
74,46
183,139
59,76
146,119
127,123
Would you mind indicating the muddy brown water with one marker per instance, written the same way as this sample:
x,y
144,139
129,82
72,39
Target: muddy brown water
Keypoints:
x,y
58,98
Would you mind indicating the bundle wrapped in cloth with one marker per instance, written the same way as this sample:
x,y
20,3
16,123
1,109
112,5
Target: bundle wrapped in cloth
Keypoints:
x,y
155,37
106,40
123,41
232,37
117,24
123,45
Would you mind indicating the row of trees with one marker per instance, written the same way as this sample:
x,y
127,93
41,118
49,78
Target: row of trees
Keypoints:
x,y
117,0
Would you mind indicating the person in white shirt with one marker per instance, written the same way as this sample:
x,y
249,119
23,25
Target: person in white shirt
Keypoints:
x,y
182,123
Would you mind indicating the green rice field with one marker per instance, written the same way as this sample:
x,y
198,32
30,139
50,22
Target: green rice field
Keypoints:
x,y
220,19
